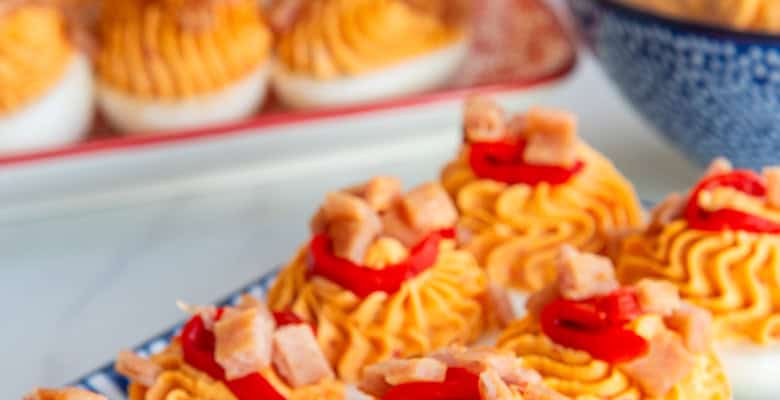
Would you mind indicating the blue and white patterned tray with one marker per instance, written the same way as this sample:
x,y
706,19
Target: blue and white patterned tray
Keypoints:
x,y
106,381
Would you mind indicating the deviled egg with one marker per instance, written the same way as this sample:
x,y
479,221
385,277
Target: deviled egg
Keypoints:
x,y
176,64
341,52
46,96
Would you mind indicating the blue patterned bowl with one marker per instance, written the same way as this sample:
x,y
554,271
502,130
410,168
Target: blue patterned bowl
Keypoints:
x,y
711,91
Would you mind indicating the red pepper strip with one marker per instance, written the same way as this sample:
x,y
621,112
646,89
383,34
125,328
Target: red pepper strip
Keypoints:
x,y
583,315
460,384
503,162
619,307
363,281
744,181
197,344
611,342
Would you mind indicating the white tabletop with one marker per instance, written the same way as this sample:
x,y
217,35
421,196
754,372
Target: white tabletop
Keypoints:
x,y
85,276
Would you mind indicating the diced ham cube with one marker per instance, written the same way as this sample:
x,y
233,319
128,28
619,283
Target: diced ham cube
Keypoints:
x,y
373,380
63,394
380,192
395,225
500,304
718,166
345,206
694,325
658,297
318,223
772,176
243,340
137,369
248,301
350,239
666,363
483,120
478,360
551,137
537,301
397,372
516,126
428,207
492,387
207,314
350,222
668,210
582,276
298,357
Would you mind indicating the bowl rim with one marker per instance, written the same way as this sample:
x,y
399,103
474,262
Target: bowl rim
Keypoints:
x,y
693,26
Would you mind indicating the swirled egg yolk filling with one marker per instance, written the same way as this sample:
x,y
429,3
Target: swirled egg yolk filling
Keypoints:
x,y
176,50
34,54
341,38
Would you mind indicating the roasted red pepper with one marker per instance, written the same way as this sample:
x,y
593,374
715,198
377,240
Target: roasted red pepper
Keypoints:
x,y
363,281
459,384
198,343
503,162
747,182
596,326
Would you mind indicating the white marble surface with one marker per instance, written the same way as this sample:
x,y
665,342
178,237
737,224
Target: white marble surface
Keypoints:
x,y
89,268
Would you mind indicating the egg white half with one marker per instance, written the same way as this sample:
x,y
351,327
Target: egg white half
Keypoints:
x,y
61,116
419,74
138,115
753,371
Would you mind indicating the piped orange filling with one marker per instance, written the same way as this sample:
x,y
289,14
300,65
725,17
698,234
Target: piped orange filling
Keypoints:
x,y
34,52
168,49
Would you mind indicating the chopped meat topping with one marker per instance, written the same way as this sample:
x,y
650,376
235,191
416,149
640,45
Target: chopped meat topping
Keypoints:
x,y
397,372
718,166
298,357
665,364
350,239
551,137
772,176
63,394
137,368
207,314
428,208
248,301
350,222
582,276
483,120
499,373
380,192
396,226
344,206
658,297
668,210
500,304
492,387
243,340
537,301
516,126
373,380
694,325
478,360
